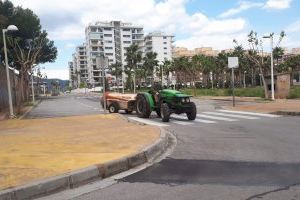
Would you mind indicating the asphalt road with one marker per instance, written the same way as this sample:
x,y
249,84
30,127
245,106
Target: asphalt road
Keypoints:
x,y
257,158
67,105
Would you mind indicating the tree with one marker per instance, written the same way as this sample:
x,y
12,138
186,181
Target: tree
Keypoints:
x,y
149,64
258,60
133,57
27,47
116,70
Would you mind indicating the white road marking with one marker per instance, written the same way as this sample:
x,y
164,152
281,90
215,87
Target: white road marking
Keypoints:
x,y
217,118
196,120
147,121
231,115
182,123
249,113
204,121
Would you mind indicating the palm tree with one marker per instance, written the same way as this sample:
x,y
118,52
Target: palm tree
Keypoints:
x,y
116,70
133,57
150,63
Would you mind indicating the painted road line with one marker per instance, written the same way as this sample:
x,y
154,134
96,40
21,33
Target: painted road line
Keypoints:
x,y
249,113
182,123
217,118
231,115
147,121
204,121
196,120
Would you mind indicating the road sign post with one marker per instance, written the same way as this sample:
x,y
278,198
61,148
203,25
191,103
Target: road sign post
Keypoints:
x,y
101,62
233,62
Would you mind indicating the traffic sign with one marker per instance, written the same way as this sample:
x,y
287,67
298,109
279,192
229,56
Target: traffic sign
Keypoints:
x,y
233,62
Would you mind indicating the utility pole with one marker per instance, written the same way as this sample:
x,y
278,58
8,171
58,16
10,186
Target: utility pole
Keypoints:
x,y
11,110
272,65
32,88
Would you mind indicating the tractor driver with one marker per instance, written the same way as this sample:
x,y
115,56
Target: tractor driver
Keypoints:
x,y
155,91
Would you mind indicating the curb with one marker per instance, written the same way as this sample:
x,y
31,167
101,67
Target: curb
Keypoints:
x,y
83,176
286,113
30,109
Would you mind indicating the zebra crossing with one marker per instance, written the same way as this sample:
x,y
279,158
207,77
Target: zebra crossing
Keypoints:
x,y
212,117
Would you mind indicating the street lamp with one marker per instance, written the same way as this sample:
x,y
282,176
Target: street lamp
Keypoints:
x,y
272,64
9,28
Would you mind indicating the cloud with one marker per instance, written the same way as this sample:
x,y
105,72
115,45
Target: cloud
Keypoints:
x,y
62,74
243,6
293,27
278,4
66,21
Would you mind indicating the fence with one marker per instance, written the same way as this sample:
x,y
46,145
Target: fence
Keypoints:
x,y
3,88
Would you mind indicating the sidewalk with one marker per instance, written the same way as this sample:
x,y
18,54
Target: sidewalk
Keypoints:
x,y
39,148
278,106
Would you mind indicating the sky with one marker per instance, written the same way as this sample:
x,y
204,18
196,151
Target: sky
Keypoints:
x,y
195,23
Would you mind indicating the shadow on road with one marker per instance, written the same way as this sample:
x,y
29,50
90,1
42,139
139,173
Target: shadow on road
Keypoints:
x,y
182,171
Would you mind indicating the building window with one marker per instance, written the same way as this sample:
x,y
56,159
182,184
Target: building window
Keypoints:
x,y
111,60
108,41
109,54
165,48
108,48
165,53
126,36
107,29
165,42
126,42
165,37
126,29
93,29
107,35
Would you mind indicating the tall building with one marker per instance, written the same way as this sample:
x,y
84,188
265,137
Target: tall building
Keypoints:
x,y
160,43
72,75
110,39
80,64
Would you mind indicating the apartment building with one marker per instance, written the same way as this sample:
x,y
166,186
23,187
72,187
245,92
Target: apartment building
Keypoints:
x,y
72,75
160,43
80,68
182,51
110,39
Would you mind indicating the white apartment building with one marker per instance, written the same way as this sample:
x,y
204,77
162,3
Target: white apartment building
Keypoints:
x,y
71,74
160,43
80,68
110,39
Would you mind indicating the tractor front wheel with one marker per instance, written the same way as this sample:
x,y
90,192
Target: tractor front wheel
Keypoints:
x,y
165,112
142,106
192,114
113,108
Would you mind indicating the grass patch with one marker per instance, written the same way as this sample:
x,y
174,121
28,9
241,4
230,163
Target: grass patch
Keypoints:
x,y
241,92
294,92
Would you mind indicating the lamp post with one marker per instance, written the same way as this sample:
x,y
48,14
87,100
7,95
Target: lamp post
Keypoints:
x,y
245,79
9,28
272,65
32,86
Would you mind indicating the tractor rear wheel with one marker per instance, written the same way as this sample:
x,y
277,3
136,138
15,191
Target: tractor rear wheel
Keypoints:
x,y
165,112
142,106
192,114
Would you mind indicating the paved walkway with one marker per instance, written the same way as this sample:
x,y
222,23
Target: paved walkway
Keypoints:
x,y
37,148
286,105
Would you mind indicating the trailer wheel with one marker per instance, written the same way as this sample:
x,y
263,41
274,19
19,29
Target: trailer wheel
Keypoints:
x,y
193,113
142,106
113,108
165,112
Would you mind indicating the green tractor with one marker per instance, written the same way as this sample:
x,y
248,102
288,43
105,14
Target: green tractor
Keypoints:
x,y
165,102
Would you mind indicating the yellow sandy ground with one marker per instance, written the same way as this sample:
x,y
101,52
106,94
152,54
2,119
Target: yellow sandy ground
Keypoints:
x,y
39,148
